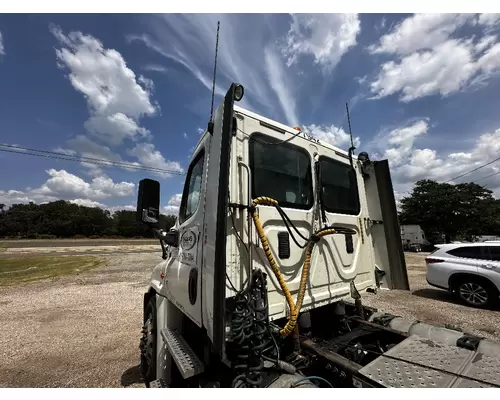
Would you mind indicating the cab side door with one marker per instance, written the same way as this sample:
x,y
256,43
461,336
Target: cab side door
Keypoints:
x,y
183,277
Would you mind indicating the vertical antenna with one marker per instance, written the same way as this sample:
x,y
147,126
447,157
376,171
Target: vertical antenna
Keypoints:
x,y
211,122
352,148
349,122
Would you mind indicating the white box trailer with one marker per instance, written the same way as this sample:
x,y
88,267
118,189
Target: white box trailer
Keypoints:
x,y
413,234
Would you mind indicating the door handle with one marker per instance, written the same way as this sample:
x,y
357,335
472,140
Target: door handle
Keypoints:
x,y
489,266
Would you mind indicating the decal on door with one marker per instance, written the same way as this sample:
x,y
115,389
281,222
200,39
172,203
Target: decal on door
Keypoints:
x,y
188,249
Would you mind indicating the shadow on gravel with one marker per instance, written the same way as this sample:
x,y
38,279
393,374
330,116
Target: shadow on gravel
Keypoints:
x,y
131,376
436,294
443,295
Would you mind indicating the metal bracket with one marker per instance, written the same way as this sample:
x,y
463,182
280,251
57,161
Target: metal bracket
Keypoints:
x,y
370,222
468,342
379,274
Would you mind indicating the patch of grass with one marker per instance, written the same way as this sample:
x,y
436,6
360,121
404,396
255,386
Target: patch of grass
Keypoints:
x,y
19,270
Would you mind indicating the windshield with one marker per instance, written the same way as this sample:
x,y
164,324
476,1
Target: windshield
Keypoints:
x,y
281,171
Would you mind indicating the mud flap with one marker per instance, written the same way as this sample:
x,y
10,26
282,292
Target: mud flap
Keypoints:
x,y
396,258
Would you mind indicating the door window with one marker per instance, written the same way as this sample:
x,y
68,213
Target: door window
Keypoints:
x,y
494,253
192,189
340,188
474,252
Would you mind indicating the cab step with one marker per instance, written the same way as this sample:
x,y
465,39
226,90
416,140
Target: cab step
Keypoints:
x,y
186,360
158,383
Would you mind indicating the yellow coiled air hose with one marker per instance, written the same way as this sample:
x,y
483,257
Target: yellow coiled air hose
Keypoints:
x,y
294,308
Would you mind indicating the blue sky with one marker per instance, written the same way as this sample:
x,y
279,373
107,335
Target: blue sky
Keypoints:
x,y
423,92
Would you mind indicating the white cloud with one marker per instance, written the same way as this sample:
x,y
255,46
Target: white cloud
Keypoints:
x,y
155,68
409,163
9,197
114,209
195,51
67,186
431,61
401,141
92,150
279,85
147,155
485,42
259,65
2,47
489,19
420,31
87,203
115,98
172,207
178,57
333,135
184,135
114,129
88,148
67,152
325,37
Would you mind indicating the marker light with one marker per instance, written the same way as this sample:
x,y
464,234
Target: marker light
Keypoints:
x,y
239,91
297,128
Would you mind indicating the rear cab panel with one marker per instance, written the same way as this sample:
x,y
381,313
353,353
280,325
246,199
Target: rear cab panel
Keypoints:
x,y
286,173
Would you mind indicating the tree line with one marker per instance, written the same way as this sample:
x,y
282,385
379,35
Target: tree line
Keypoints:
x,y
445,212
448,212
62,219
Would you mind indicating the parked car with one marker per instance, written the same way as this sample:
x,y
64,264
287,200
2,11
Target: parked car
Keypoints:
x,y
471,271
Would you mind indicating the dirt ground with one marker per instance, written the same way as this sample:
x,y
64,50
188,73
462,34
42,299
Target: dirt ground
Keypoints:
x,y
83,331
78,331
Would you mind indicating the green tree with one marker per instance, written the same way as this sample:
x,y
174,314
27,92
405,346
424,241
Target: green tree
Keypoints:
x,y
65,219
167,221
456,211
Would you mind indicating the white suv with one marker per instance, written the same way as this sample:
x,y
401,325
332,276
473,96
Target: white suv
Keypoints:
x,y
471,271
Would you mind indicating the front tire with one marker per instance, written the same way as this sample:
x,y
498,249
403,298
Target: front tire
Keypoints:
x,y
475,292
148,342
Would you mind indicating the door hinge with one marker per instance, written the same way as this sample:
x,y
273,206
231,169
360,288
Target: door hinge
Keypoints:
x,y
370,222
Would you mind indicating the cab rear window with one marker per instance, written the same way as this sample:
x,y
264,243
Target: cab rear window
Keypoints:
x,y
340,187
281,171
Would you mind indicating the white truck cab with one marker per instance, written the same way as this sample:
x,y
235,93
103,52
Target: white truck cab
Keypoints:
x,y
277,232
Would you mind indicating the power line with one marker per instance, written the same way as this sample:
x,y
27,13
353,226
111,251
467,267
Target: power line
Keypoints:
x,y
88,160
487,176
473,170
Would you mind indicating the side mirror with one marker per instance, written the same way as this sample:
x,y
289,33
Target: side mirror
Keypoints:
x,y
148,202
171,238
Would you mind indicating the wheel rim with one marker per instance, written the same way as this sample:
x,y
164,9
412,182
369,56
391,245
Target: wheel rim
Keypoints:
x,y
147,342
473,293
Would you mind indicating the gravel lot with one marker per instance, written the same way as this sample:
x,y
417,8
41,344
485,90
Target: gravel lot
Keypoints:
x,y
83,331
16,243
432,305
80,331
